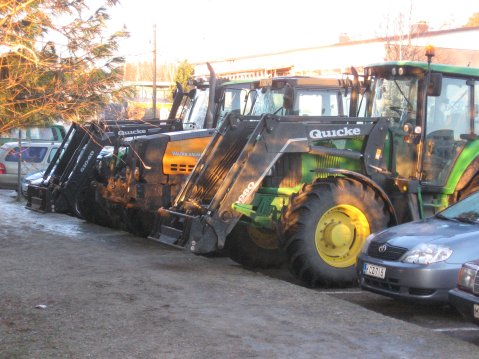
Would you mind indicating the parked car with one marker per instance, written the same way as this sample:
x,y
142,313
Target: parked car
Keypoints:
x,y
54,133
35,157
37,177
465,297
31,178
419,261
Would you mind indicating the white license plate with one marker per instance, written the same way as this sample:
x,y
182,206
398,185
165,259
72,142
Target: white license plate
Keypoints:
x,y
374,270
476,311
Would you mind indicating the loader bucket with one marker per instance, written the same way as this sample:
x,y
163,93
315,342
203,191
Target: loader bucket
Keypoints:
x,y
39,199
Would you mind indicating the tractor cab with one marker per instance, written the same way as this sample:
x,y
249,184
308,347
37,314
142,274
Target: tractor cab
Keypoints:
x,y
432,112
190,107
295,95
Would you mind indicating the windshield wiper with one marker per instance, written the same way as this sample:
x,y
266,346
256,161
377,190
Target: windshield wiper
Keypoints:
x,y
466,219
409,105
441,216
458,219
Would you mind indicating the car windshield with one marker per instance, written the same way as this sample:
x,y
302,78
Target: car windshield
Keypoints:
x,y
29,154
466,210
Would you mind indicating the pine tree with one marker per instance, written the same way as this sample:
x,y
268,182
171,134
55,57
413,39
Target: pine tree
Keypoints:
x,y
56,62
473,20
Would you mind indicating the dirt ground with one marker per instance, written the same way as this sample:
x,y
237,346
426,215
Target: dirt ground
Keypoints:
x,y
70,289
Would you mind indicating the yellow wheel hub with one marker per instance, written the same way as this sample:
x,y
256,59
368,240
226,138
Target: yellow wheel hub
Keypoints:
x,y
340,234
263,238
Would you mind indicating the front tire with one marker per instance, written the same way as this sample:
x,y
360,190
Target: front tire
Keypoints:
x,y
254,247
325,227
138,222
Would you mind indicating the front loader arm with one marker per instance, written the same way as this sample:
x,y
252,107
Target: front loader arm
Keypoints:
x,y
222,179
270,139
72,171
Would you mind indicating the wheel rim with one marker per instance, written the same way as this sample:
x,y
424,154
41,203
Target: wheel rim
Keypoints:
x,y
263,238
340,234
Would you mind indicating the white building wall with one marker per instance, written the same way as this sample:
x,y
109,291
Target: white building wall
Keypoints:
x,y
338,58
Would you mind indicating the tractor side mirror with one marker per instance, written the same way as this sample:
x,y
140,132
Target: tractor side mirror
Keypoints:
x,y
435,85
288,97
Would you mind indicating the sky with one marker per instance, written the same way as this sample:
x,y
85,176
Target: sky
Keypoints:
x,y
206,30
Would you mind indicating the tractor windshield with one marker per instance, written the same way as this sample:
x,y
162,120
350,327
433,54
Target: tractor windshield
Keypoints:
x,y
233,101
266,100
395,98
307,102
317,102
195,114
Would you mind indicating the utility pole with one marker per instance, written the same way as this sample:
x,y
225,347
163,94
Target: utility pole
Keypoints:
x,y
19,177
154,71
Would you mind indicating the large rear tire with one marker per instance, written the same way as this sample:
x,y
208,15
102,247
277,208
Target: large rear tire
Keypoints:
x,y
254,247
85,204
87,208
325,226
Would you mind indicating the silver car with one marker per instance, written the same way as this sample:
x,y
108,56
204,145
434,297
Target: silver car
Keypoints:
x,y
420,261
465,298
35,157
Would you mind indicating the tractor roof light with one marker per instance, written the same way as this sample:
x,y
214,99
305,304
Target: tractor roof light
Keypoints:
x,y
430,52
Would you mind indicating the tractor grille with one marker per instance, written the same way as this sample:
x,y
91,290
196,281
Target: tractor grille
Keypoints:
x,y
385,251
286,172
181,168
328,162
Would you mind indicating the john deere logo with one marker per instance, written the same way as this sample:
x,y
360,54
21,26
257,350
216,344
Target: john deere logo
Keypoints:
x,y
383,248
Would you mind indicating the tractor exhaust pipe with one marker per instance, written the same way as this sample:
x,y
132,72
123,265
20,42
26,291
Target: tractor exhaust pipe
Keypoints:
x,y
211,98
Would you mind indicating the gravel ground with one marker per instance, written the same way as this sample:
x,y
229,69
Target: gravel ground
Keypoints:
x,y
70,289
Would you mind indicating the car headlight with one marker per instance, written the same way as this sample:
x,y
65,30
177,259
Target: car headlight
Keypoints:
x,y
367,242
426,253
466,278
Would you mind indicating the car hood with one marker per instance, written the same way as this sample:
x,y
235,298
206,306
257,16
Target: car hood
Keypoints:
x,y
34,176
462,238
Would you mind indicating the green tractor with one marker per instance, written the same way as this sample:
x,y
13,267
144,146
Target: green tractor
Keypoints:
x,y
311,189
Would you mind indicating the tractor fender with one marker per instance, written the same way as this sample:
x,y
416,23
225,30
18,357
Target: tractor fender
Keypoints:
x,y
370,183
471,172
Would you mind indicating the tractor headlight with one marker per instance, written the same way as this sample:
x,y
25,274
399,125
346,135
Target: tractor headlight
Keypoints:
x,y
426,253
